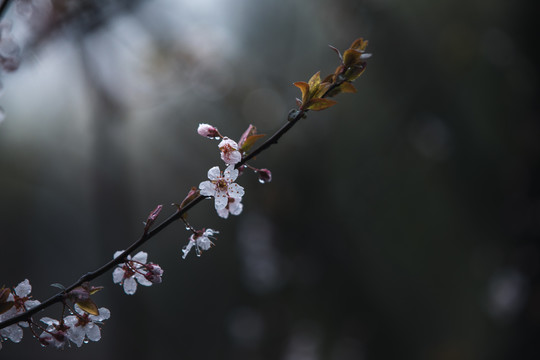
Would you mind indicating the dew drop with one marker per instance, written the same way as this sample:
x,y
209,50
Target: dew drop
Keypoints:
x,y
188,228
217,138
86,341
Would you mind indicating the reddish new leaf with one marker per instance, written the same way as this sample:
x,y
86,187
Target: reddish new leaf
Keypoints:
x,y
250,141
351,57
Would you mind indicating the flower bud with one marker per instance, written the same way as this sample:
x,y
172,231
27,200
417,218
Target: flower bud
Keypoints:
x,y
208,131
154,273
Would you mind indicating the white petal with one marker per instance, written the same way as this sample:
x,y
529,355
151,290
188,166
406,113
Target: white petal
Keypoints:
x,y
236,207
235,191
76,334
49,321
118,275
130,286
204,243
118,253
104,314
214,173
141,256
23,289
223,213
230,173
93,332
210,232
188,247
13,332
142,280
71,320
221,200
226,141
31,303
207,188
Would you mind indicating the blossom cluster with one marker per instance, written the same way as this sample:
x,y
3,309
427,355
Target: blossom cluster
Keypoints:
x,y
79,327
221,185
82,323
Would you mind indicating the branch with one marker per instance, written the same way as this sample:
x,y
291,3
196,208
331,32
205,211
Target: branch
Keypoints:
x,y
313,94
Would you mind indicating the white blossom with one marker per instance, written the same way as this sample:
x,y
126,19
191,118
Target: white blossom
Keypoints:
x,y
234,207
84,326
131,272
229,151
222,186
21,298
201,241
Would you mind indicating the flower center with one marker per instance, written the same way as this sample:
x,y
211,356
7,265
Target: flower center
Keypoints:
x,y
222,184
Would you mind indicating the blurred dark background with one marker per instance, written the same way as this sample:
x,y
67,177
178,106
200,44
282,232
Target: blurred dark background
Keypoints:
x,y
403,223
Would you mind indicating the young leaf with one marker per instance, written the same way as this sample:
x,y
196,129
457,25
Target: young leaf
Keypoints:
x,y
351,57
89,306
314,81
337,52
304,88
250,141
58,286
359,44
345,87
319,104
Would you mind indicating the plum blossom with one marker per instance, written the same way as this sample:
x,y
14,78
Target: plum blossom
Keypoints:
x,y
21,298
229,151
208,131
55,334
133,269
83,326
201,241
234,207
222,186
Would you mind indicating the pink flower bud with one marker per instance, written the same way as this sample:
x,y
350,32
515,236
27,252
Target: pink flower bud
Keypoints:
x,y
265,175
154,273
208,131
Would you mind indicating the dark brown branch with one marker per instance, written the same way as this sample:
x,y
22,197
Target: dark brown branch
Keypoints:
x,y
293,119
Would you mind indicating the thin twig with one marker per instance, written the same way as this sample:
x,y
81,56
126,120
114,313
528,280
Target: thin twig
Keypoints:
x,y
147,236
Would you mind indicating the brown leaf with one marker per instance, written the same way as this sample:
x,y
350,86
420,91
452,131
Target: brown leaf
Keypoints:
x,y
5,306
359,44
351,57
304,88
251,130
319,104
354,72
250,141
321,90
